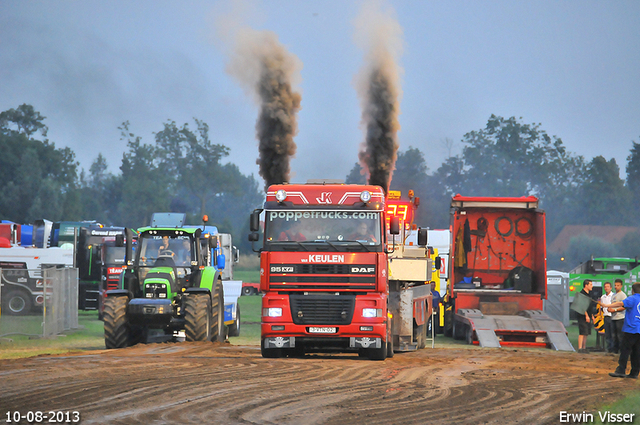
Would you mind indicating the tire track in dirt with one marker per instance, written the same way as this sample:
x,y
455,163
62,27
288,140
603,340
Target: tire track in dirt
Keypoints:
x,y
209,383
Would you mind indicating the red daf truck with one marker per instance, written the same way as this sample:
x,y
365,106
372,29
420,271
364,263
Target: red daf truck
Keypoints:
x,y
498,275
333,279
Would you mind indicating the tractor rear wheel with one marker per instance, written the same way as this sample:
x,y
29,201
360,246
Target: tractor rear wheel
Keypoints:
x,y
234,329
117,333
197,316
218,329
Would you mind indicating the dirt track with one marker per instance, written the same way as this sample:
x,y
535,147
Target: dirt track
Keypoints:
x,y
203,383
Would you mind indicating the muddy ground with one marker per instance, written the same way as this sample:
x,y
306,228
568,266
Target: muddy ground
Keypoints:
x,y
205,383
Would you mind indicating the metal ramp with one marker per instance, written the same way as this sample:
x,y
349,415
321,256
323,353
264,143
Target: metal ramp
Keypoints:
x,y
485,327
556,332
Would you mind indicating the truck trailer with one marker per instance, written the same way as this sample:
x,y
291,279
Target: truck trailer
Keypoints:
x,y
332,279
497,279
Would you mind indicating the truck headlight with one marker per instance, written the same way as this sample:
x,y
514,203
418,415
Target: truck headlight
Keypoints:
x,y
272,312
371,312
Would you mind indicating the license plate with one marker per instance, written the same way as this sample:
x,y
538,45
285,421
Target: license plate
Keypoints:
x,y
315,330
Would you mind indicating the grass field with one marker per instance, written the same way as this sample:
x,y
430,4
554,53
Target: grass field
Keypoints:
x,y
89,336
252,276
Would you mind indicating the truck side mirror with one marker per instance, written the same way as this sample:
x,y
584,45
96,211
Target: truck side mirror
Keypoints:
x,y
213,242
254,221
422,237
236,254
254,237
438,263
394,225
119,241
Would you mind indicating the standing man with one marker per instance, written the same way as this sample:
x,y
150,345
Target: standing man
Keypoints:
x,y
606,298
617,316
582,305
631,337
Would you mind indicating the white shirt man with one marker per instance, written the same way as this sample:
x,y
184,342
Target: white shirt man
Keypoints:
x,y
606,298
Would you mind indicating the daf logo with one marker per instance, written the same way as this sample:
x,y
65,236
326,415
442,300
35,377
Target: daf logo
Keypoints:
x,y
363,269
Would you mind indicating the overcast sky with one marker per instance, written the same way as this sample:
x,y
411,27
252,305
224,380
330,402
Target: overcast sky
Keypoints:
x,y
573,66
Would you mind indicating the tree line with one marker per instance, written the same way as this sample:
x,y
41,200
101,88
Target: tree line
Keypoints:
x,y
181,171
511,158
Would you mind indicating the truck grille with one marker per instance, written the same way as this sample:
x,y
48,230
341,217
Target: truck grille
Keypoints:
x,y
322,309
324,268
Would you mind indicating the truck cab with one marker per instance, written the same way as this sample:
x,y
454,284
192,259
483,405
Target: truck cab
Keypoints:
x,y
326,271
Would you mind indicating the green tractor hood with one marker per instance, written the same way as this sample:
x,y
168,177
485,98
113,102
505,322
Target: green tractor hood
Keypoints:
x,y
160,280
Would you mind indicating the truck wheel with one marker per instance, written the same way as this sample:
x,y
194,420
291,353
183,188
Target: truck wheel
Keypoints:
x,y
117,333
390,352
17,303
420,335
269,353
458,330
234,328
385,350
218,331
469,334
197,317
448,323
247,290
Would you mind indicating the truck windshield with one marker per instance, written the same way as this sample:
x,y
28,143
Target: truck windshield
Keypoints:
x,y
323,230
114,255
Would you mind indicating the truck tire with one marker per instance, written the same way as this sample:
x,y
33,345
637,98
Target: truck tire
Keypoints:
x,y
247,290
17,302
420,335
385,350
458,330
390,351
234,328
270,353
117,333
197,317
218,329
448,323
469,334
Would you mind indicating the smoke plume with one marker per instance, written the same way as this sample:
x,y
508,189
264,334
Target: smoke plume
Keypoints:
x,y
269,73
378,85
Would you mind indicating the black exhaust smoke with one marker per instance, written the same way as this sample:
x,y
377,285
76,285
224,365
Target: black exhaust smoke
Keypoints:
x,y
378,86
268,72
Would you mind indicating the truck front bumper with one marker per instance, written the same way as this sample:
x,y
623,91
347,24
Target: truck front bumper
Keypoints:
x,y
351,337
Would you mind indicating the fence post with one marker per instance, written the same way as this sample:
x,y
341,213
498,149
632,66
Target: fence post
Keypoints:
x,y
44,302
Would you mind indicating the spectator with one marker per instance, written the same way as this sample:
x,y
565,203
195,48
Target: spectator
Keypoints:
x,y
617,316
583,306
631,336
606,298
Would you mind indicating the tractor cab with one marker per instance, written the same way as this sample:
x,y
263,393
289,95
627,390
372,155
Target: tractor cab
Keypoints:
x,y
168,261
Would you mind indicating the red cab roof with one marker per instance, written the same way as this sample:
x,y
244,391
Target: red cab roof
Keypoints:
x,y
325,194
494,201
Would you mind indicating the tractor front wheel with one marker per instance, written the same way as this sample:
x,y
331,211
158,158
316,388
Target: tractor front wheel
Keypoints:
x,y
197,316
218,329
117,333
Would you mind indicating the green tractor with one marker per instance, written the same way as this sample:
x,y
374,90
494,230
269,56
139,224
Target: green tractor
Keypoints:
x,y
171,285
